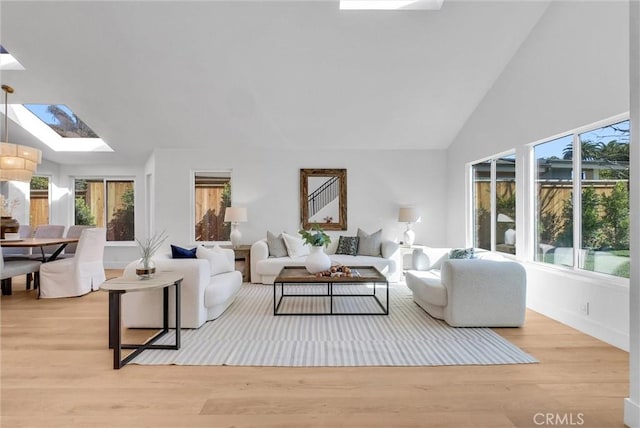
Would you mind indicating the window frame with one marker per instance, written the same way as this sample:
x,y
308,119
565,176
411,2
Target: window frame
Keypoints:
x,y
49,196
105,179
471,237
576,200
192,202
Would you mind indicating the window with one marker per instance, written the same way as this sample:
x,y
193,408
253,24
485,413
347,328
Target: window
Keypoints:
x,y
600,225
554,209
494,204
62,120
212,195
106,203
39,201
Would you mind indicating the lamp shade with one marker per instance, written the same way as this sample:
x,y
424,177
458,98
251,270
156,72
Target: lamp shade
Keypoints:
x,y
235,215
17,162
408,215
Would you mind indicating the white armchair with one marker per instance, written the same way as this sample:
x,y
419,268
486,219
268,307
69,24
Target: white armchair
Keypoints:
x,y
77,275
204,296
485,292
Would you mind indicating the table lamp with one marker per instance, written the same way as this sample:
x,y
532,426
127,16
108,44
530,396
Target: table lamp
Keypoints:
x,y
235,215
409,215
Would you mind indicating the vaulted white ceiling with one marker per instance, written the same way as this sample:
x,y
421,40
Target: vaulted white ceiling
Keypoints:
x,y
303,74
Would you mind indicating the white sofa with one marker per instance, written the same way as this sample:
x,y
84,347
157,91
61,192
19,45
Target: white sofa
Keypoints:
x,y
487,291
203,296
265,269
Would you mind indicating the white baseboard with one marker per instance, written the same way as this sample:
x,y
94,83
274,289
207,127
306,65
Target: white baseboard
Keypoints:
x,y
592,328
631,413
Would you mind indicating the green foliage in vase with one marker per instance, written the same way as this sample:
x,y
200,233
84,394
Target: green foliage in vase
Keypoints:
x,y
316,237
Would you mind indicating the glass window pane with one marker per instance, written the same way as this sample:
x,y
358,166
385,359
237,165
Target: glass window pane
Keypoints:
x,y
481,175
38,201
62,120
554,207
120,211
108,204
212,195
89,202
605,199
505,226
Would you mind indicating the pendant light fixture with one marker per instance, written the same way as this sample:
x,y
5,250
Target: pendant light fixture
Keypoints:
x,y
17,162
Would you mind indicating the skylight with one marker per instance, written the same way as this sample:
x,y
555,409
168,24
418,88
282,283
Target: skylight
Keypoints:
x,y
8,61
390,4
61,119
41,129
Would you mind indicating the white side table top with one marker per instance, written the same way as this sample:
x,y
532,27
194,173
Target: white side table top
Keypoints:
x,y
159,280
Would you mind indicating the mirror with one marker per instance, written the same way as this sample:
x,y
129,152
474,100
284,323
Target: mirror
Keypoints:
x,y
323,198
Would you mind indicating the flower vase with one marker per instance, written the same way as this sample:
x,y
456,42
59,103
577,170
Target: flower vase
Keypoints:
x,y
317,260
145,268
8,225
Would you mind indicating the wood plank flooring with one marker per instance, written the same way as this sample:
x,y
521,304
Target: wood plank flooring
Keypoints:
x,y
56,372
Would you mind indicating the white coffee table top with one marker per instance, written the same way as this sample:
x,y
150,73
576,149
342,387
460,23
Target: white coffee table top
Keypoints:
x,y
159,280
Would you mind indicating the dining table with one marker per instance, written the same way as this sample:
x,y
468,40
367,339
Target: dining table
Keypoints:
x,y
40,243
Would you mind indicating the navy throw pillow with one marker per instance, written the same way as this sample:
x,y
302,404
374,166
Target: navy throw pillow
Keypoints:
x,y
183,253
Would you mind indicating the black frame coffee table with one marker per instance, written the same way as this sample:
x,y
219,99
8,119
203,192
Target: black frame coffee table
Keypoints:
x,y
298,276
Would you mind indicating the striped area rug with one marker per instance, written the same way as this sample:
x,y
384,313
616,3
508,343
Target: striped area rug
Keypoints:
x,y
248,334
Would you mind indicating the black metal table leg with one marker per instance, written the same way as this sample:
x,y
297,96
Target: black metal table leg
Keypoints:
x,y
178,285
115,321
115,334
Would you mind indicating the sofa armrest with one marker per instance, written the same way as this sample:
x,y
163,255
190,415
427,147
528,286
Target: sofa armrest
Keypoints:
x,y
494,291
230,255
259,251
391,250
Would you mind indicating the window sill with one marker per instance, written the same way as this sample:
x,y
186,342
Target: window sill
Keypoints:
x,y
581,274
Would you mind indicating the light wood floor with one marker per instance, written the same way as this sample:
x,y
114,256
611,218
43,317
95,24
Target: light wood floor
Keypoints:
x,y
56,372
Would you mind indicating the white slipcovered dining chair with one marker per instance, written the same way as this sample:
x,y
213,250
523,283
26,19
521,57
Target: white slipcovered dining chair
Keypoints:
x,y
80,274
73,232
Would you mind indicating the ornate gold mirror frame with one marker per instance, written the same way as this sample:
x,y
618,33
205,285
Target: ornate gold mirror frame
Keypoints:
x,y
323,198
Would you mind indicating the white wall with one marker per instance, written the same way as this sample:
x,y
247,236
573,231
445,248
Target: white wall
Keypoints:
x,y
267,183
573,70
632,403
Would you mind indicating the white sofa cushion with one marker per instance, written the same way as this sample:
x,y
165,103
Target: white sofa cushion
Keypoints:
x,y
295,246
218,291
277,247
273,265
369,244
378,262
430,287
218,259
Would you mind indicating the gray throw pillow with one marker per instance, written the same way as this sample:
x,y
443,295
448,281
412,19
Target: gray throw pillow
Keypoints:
x,y
369,245
276,245
348,245
461,253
